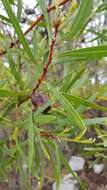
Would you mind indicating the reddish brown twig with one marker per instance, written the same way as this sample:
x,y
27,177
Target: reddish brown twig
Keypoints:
x,y
2,52
45,69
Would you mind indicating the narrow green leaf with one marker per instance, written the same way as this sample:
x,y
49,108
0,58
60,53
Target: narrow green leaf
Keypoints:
x,y
72,114
82,108
69,83
37,158
14,71
19,9
80,20
94,121
95,149
57,168
79,83
43,7
17,28
20,150
35,41
44,149
6,93
30,142
44,119
8,107
67,166
77,100
91,53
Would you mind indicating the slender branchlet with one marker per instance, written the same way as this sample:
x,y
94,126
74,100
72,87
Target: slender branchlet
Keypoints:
x,y
45,69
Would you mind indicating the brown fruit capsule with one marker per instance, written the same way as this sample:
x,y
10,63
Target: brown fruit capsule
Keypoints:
x,y
38,100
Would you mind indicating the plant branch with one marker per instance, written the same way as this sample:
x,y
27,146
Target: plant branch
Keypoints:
x,y
50,8
45,69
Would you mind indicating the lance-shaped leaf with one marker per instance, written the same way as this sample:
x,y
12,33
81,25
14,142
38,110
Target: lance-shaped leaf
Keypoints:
x,y
80,20
43,7
13,68
95,121
7,93
70,81
73,115
80,101
44,149
57,165
91,53
19,10
30,142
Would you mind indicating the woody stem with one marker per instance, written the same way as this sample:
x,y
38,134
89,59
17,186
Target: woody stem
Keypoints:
x,y
45,69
